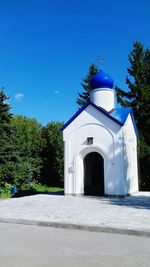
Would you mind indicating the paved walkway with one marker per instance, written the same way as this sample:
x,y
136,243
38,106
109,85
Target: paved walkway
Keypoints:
x,y
92,213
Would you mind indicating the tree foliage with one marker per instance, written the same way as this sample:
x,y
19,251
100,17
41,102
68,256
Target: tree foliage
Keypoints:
x,y
29,153
7,157
27,143
84,96
138,97
52,155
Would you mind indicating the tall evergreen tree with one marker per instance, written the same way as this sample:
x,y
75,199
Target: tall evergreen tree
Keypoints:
x,y
138,97
6,155
84,97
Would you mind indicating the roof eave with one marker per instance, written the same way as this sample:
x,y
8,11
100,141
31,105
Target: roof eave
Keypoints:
x,y
83,108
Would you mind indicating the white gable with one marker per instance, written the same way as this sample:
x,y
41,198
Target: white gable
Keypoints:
x,y
91,116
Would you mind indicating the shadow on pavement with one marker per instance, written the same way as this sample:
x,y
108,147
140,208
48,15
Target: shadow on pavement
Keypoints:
x,y
25,193
137,202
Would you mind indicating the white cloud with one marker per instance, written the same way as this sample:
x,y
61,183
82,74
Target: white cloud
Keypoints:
x,y
56,92
19,96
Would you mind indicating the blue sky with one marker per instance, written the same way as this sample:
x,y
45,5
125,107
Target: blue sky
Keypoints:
x,y
46,48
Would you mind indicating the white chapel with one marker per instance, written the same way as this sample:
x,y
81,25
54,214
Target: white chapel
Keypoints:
x,y
100,144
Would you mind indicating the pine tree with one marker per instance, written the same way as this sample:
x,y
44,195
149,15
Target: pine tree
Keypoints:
x,y
6,166
84,97
138,97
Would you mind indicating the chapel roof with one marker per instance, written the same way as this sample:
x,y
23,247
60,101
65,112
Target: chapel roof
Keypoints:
x,y
118,115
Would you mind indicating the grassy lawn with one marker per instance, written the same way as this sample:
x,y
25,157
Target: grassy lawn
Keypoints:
x,y
46,189
5,195
37,189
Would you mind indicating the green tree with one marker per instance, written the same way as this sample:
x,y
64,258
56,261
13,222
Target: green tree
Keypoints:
x,y
27,143
52,155
138,97
7,157
84,97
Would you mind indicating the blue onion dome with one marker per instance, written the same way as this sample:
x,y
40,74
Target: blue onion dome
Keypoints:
x,y
101,80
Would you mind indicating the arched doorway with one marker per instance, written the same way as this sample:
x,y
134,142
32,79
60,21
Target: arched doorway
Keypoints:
x,y
93,174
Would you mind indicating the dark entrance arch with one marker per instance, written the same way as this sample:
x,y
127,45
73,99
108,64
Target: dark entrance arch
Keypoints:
x,y
94,174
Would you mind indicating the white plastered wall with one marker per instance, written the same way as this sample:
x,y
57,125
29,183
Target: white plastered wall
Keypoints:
x,y
107,140
130,157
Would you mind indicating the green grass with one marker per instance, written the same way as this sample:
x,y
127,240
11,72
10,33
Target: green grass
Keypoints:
x,y
46,189
36,189
5,195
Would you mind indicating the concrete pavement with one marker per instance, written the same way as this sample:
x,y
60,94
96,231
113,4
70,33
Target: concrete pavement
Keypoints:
x,y
127,215
31,246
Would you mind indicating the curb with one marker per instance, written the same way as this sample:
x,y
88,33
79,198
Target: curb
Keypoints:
x,y
91,228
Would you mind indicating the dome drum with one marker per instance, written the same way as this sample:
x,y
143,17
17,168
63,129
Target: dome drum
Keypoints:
x,y
102,93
